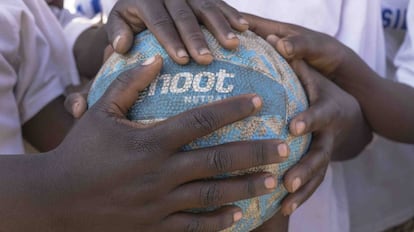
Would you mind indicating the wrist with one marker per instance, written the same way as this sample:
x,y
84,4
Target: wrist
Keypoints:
x,y
344,66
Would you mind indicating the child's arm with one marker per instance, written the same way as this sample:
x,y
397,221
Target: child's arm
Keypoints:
x,y
387,105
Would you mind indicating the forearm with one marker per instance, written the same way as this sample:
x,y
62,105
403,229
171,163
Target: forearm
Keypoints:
x,y
23,199
46,130
387,106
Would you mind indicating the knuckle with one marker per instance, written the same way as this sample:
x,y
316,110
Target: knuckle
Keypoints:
x,y
195,36
203,6
194,226
163,21
259,154
250,188
219,160
204,120
182,15
123,80
309,169
211,195
207,5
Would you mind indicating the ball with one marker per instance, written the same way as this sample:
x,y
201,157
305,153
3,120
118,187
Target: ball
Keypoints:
x,y
254,67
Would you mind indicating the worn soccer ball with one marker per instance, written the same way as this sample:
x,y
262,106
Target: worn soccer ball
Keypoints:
x,y
254,67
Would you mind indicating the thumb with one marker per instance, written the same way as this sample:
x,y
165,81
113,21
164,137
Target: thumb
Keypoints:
x,y
123,92
75,104
119,33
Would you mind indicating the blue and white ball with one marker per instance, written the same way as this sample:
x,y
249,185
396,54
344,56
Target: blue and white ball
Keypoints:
x,y
254,67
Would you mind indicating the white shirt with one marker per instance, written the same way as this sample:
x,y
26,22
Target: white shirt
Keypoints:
x,y
357,24
380,181
404,59
35,66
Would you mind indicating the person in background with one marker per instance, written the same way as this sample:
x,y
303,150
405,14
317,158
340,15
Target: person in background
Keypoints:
x,y
378,185
357,24
85,37
94,8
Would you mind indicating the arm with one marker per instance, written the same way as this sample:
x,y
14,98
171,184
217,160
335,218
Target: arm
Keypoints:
x,y
46,130
386,104
104,175
334,118
383,102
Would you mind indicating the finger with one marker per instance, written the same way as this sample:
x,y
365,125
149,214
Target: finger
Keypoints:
x,y
217,220
185,127
233,16
302,47
212,17
123,92
295,200
209,162
296,47
203,194
190,31
321,112
119,33
162,26
107,53
317,159
317,49
264,27
278,220
75,104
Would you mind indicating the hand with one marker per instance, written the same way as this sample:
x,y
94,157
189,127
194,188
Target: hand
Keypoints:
x,y
175,23
319,50
111,174
338,128
278,222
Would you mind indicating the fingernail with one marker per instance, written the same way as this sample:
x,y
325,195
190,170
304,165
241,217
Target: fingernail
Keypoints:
x,y
283,150
257,102
272,39
300,127
270,182
182,53
288,47
204,51
149,61
75,107
116,41
231,35
296,184
243,21
237,216
294,207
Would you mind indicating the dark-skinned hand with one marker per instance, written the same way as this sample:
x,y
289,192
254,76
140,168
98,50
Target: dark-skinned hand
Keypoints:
x,y
175,23
334,117
111,174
